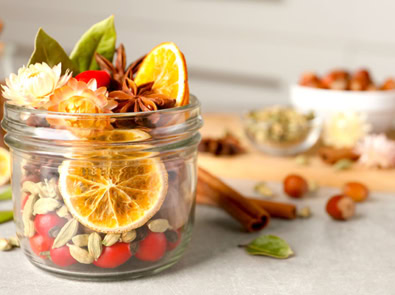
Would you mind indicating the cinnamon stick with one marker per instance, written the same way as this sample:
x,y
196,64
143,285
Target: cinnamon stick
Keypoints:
x,y
251,216
275,209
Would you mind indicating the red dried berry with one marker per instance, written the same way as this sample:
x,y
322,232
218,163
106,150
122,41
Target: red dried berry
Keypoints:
x,y
114,256
102,77
62,257
41,243
152,248
44,223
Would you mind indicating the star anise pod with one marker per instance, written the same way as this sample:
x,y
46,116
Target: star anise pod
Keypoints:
x,y
118,71
142,98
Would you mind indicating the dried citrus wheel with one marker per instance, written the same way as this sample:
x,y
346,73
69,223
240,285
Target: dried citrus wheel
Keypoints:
x,y
113,198
5,166
166,66
119,135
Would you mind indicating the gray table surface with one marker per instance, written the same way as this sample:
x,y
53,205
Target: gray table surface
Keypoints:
x,y
354,257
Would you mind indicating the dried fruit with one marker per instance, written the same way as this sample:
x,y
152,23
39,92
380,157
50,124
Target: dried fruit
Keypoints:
x,y
152,248
165,65
41,244
340,207
81,255
114,256
158,225
102,77
143,189
356,191
295,186
111,239
62,257
47,224
67,232
95,245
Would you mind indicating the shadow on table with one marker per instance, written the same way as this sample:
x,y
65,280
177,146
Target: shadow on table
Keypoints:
x,y
214,233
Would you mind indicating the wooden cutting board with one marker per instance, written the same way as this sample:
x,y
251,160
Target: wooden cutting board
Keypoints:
x,y
261,167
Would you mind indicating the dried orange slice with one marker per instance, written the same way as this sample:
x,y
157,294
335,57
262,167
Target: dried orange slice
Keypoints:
x,y
166,66
5,166
113,198
120,135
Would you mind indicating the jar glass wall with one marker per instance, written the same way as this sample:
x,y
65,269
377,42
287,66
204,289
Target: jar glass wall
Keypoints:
x,y
94,203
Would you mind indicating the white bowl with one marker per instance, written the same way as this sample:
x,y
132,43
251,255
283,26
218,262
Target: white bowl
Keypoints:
x,y
378,106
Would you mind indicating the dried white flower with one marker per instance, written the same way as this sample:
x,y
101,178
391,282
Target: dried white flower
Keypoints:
x,y
34,84
376,151
344,130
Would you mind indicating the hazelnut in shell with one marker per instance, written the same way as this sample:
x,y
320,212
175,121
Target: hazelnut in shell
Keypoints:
x,y
340,207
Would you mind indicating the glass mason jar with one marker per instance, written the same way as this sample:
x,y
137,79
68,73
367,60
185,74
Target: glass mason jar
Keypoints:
x,y
103,203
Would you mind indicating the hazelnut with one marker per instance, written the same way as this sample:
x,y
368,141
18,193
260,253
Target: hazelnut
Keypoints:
x,y
356,191
336,80
310,79
340,207
361,81
295,186
389,84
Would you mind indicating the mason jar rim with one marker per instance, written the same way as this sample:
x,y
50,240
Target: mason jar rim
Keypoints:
x,y
194,102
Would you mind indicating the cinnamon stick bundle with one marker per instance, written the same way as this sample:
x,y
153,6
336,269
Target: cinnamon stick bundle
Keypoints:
x,y
251,216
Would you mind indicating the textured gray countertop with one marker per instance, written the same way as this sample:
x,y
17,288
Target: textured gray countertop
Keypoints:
x,y
354,257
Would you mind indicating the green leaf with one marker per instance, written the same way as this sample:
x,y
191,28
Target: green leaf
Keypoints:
x,y
6,195
6,216
48,50
269,245
100,38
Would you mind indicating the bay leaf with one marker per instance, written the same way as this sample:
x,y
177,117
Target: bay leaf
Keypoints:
x,y
6,216
100,38
6,194
269,245
48,50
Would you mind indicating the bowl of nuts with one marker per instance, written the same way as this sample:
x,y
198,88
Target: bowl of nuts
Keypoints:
x,y
281,130
339,92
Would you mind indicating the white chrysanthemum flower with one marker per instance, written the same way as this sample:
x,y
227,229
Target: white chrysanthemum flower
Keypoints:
x,y
344,130
376,151
34,84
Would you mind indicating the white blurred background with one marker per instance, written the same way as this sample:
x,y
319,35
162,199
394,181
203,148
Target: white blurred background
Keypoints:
x,y
241,54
